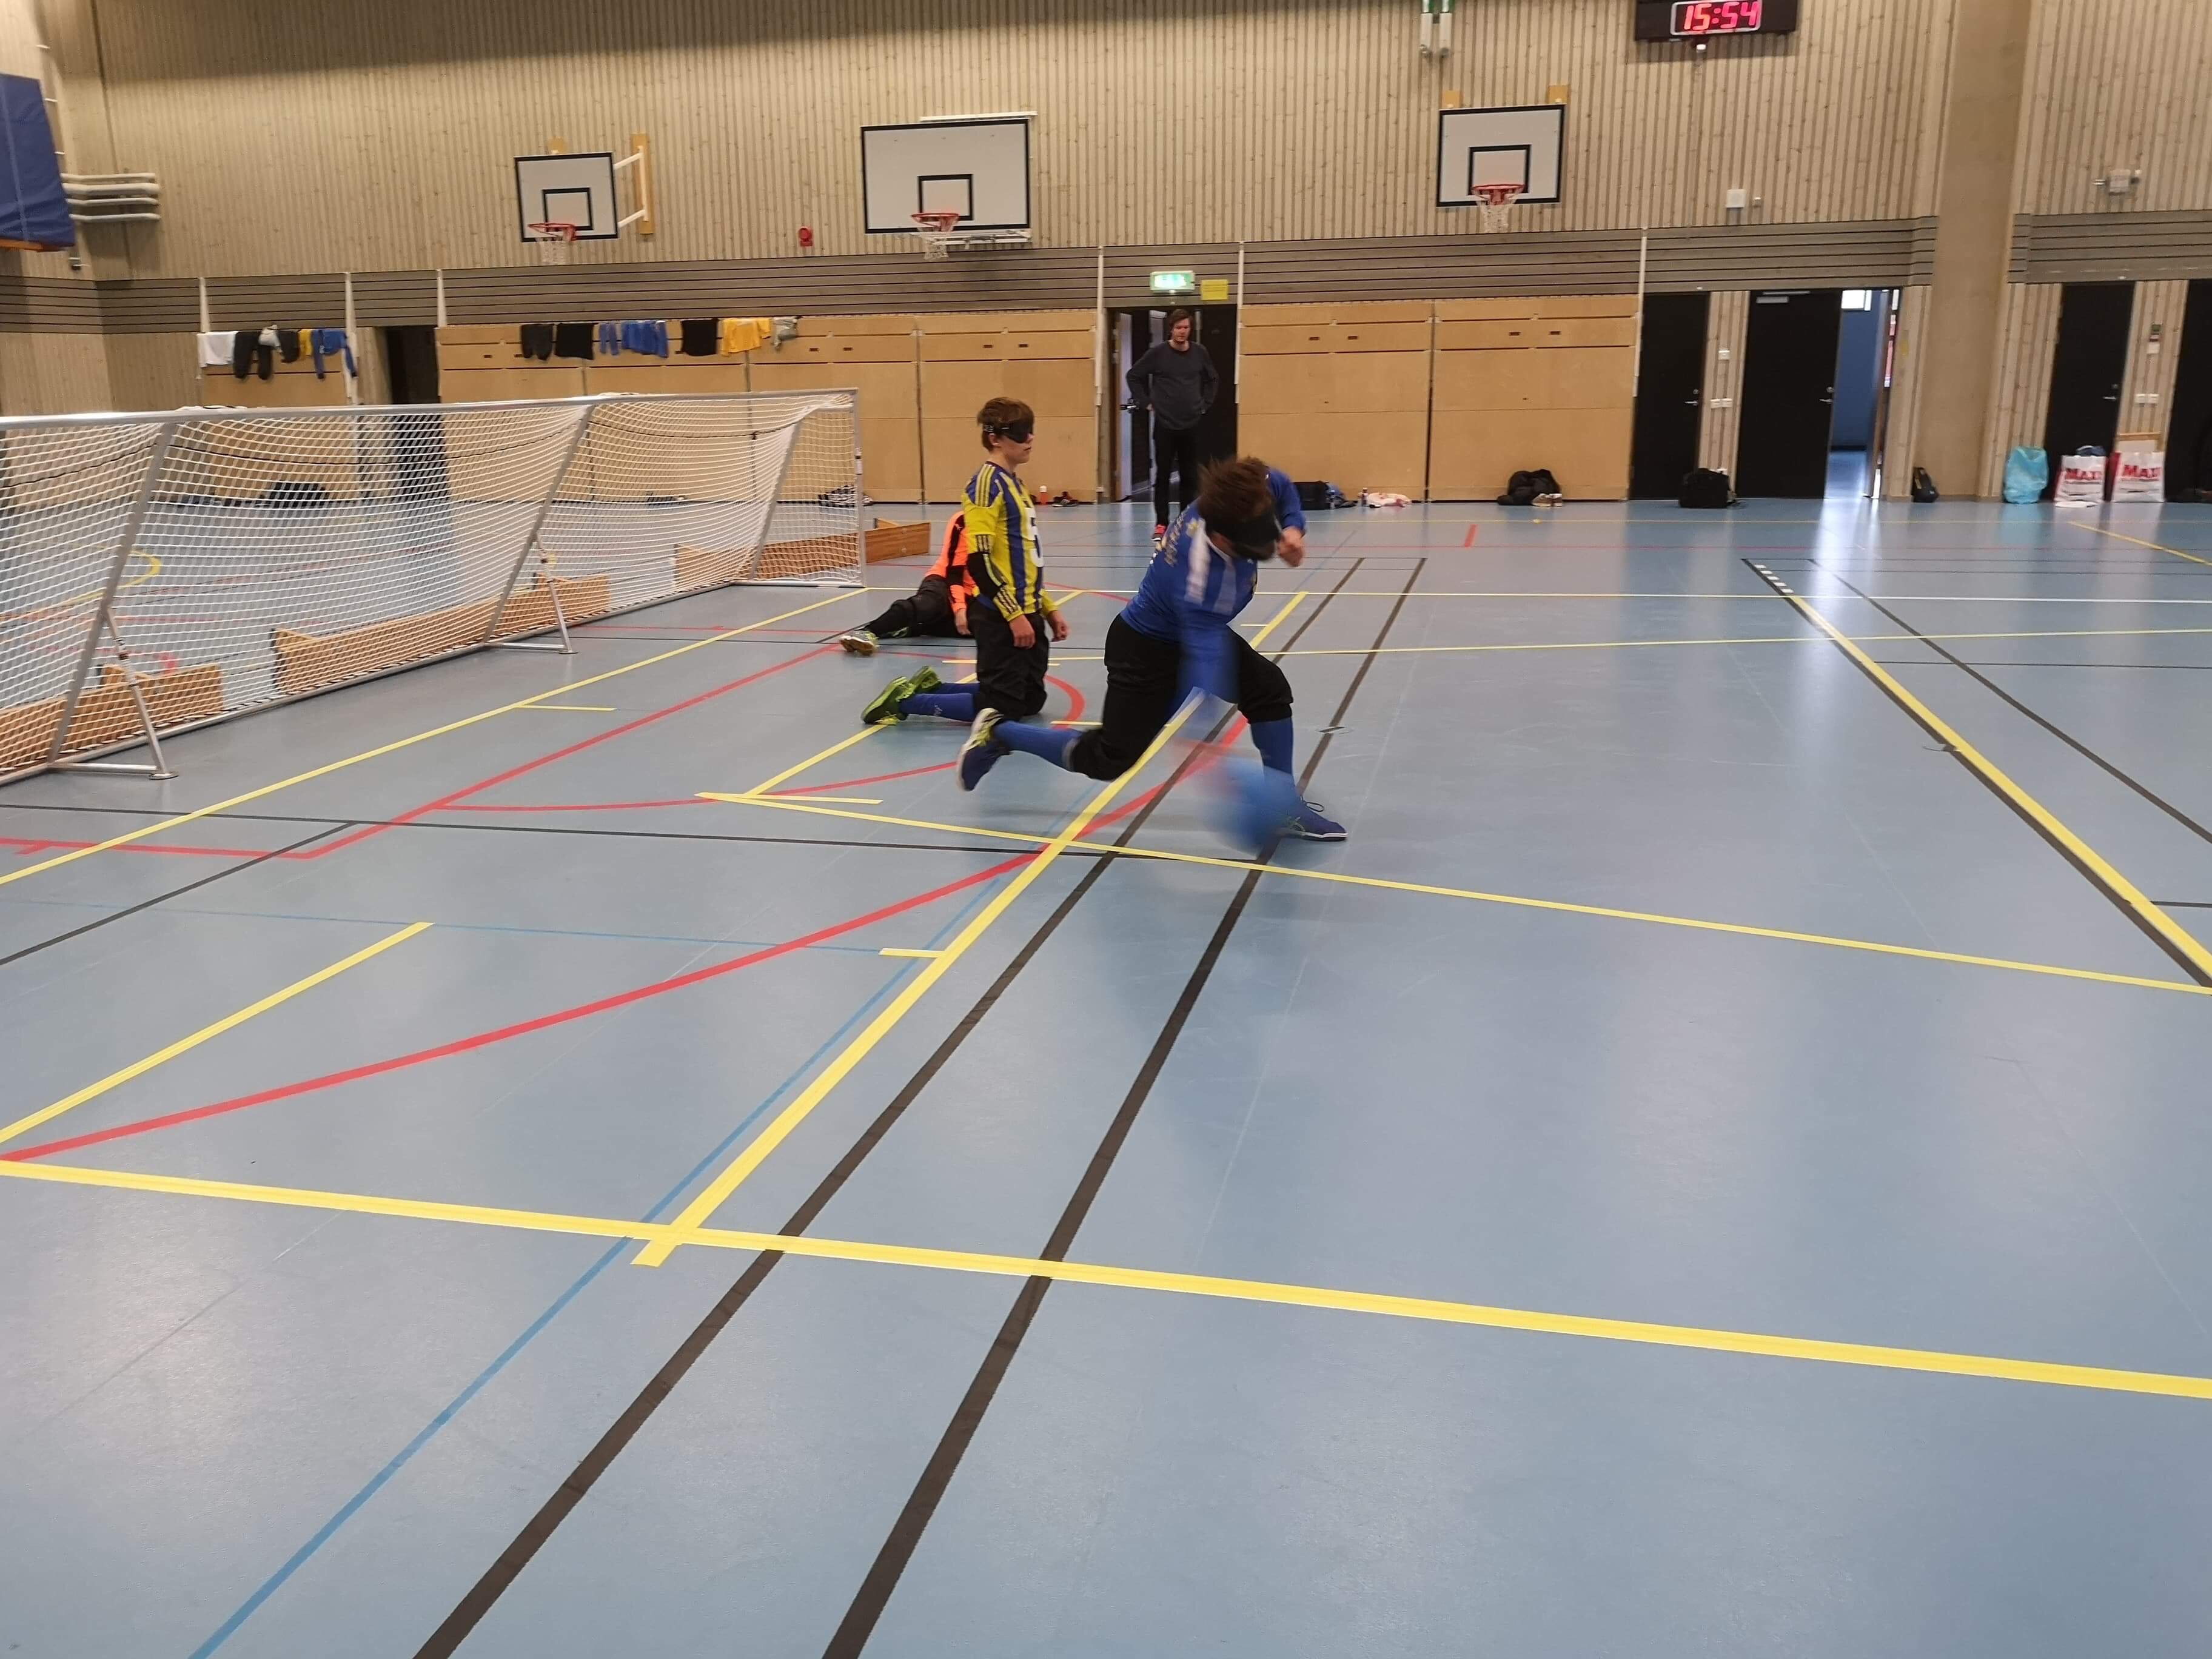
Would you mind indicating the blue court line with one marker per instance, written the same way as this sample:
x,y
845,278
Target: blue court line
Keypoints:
x,y
352,1506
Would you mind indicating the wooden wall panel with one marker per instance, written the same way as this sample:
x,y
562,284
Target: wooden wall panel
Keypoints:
x,y
2026,346
2146,393
1898,446
399,121
1045,358
1725,325
53,374
2121,84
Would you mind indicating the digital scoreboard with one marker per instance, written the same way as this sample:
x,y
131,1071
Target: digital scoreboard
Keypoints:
x,y
1707,20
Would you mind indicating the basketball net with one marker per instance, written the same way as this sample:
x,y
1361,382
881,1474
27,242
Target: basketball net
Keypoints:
x,y
554,237
1495,203
935,230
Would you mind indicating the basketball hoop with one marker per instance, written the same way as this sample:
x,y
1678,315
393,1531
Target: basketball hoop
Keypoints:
x,y
935,230
1496,202
554,237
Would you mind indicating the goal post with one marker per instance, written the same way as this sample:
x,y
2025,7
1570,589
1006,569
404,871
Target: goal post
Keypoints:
x,y
158,572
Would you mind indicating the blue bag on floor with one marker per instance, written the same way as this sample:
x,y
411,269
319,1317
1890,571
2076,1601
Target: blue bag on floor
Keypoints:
x,y
2026,471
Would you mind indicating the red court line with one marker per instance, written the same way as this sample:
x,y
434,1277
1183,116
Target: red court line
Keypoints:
x,y
523,1027
594,807
1471,529
880,777
577,748
27,847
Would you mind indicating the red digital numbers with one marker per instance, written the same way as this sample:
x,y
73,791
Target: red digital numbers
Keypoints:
x,y
1718,16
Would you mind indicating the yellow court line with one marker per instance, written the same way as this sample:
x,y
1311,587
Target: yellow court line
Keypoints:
x,y
1513,900
668,1236
114,1079
572,707
811,761
1773,639
902,950
2193,558
2126,891
712,1197
268,789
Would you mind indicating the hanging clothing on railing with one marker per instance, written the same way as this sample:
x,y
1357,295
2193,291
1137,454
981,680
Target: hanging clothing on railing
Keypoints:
x,y
216,348
573,340
538,341
701,335
331,343
742,334
648,339
254,351
287,344
610,340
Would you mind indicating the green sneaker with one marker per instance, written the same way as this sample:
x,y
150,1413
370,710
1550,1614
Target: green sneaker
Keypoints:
x,y
884,708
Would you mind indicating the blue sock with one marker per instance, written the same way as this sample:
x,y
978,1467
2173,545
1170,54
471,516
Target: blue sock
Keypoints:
x,y
953,703
1047,742
1273,739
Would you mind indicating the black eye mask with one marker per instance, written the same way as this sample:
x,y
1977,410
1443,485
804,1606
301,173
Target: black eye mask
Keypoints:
x,y
1252,539
1019,432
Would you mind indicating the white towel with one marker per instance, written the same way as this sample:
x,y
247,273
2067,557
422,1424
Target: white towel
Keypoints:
x,y
214,348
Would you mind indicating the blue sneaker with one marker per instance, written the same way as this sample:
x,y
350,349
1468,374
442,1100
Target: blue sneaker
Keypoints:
x,y
887,707
1309,823
982,750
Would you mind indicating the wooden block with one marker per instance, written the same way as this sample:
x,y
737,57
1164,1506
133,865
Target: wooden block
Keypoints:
x,y
1592,376
994,322
874,323
811,556
891,540
483,334
1586,332
890,460
1354,452
1337,336
1008,346
886,389
107,713
1474,452
219,389
1052,387
489,354
1378,382
1349,313
307,662
1587,305
1453,311
1500,334
841,349
489,385
700,374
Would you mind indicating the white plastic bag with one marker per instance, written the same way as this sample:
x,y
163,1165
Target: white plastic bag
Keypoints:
x,y
2080,480
2139,475
1384,498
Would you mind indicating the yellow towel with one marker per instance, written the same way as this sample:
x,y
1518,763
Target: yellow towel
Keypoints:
x,y
742,334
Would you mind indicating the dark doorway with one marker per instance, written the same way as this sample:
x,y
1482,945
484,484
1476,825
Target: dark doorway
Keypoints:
x,y
1789,392
1670,387
410,355
1132,332
2189,430
2087,369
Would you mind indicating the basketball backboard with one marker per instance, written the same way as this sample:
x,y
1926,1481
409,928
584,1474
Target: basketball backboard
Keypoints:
x,y
576,190
1518,144
978,166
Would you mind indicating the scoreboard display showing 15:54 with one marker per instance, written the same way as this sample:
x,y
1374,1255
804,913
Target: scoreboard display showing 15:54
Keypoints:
x,y
1709,19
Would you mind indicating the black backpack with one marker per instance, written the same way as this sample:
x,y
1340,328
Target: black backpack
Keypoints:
x,y
1924,487
1520,489
1317,496
1702,486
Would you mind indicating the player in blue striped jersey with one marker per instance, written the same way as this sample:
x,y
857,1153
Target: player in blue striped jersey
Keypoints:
x,y
1174,637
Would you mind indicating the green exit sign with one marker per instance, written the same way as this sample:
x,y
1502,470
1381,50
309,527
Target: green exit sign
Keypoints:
x,y
1175,282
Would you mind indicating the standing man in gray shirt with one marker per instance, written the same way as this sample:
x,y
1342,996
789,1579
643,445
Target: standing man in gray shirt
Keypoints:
x,y
1176,381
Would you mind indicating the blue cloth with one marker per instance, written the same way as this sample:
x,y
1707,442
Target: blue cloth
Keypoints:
x,y
953,703
610,339
1190,594
1273,739
33,207
1288,510
331,343
648,339
1047,742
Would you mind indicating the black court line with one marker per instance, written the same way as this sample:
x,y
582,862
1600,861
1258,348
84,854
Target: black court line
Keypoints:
x,y
174,893
891,1559
481,1596
2183,905
2063,736
2140,922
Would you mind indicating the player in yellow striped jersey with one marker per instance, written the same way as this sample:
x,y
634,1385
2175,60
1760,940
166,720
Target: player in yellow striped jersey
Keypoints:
x,y
1013,620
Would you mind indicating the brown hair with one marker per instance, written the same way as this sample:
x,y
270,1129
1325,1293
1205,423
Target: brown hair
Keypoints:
x,y
1181,314
1002,412
1235,491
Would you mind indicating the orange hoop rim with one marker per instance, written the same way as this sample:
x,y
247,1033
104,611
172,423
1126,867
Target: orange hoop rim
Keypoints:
x,y
937,220
552,230
1497,195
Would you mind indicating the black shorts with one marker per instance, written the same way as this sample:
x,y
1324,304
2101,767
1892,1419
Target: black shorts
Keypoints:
x,y
1143,676
1008,678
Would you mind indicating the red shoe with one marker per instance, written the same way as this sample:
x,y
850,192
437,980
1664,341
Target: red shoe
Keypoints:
x,y
1159,536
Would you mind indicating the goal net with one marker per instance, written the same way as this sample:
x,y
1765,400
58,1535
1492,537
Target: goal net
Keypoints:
x,y
226,560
